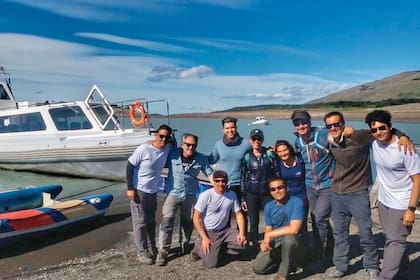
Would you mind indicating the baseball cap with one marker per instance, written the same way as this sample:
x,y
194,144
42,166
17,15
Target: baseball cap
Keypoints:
x,y
220,174
257,133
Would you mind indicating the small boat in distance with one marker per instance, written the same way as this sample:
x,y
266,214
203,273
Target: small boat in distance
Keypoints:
x,y
75,138
30,221
260,120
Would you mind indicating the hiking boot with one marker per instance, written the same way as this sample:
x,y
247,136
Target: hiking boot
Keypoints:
x,y
145,259
194,256
336,274
373,273
161,258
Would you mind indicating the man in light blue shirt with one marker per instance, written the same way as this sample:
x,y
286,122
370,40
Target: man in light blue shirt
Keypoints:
x,y
229,152
182,186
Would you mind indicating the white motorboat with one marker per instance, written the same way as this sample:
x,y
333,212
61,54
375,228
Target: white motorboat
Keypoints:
x,y
260,120
78,138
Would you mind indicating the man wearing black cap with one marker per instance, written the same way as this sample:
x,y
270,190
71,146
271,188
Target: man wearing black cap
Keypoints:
x,y
211,220
258,166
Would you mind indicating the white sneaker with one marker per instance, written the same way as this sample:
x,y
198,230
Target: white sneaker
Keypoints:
x,y
145,259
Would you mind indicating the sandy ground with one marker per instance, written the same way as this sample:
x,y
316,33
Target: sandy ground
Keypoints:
x,y
103,250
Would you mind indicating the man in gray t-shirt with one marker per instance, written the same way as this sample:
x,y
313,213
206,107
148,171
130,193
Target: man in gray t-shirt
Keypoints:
x,y
211,220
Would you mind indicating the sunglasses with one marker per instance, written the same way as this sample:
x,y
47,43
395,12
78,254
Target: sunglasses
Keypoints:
x,y
278,188
335,125
256,139
190,145
300,122
381,128
166,137
219,180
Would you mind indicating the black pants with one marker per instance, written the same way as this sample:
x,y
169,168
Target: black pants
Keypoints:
x,y
255,203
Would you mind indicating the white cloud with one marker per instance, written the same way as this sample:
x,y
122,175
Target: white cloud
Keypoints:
x,y
247,46
111,10
48,69
150,45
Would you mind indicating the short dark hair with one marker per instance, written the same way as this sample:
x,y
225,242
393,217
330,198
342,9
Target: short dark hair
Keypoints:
x,y
275,178
165,127
229,120
185,135
287,144
378,116
334,113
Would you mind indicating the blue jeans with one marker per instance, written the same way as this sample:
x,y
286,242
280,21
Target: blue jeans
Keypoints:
x,y
320,206
345,206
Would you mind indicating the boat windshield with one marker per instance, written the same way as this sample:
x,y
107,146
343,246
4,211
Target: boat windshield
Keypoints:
x,y
70,118
102,110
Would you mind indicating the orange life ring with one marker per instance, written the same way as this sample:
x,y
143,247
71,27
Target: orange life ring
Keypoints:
x,y
137,106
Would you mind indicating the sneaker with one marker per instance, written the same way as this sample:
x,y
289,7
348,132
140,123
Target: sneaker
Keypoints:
x,y
336,274
373,274
161,258
145,259
194,256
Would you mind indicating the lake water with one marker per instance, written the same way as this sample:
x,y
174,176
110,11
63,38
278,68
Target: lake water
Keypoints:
x,y
208,130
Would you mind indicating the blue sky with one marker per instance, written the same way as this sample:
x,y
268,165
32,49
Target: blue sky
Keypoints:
x,y
204,55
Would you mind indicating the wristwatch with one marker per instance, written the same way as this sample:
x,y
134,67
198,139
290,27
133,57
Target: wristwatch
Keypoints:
x,y
412,208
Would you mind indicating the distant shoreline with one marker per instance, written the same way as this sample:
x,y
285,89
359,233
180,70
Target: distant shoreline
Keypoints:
x,y
400,113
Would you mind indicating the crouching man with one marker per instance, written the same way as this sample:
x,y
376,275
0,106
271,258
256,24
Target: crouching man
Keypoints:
x,y
283,219
211,220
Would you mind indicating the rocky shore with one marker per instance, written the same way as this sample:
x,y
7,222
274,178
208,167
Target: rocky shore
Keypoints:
x,y
104,251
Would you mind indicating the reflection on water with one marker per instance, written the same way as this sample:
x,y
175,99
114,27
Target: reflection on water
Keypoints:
x,y
71,186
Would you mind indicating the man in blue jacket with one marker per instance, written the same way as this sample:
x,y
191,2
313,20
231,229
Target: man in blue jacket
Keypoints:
x,y
312,144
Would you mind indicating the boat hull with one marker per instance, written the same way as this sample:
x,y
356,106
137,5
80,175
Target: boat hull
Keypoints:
x,y
26,198
33,222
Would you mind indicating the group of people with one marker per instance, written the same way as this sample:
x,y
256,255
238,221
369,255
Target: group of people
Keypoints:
x,y
327,175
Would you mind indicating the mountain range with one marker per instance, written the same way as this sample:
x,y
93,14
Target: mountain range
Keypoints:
x,y
405,85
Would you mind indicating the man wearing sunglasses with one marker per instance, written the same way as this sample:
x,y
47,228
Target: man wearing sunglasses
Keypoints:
x,y
182,186
352,179
211,220
399,188
284,216
144,168
312,144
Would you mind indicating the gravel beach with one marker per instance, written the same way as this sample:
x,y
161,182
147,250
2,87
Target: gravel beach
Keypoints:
x,y
104,251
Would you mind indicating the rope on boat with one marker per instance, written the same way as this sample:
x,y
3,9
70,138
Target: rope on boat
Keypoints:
x,y
91,190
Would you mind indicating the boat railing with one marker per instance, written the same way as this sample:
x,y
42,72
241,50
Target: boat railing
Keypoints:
x,y
122,110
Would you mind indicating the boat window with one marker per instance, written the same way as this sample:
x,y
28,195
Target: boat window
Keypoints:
x,y
22,123
3,93
70,118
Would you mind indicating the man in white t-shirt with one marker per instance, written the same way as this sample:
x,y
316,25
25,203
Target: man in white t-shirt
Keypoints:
x,y
211,220
144,168
399,188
